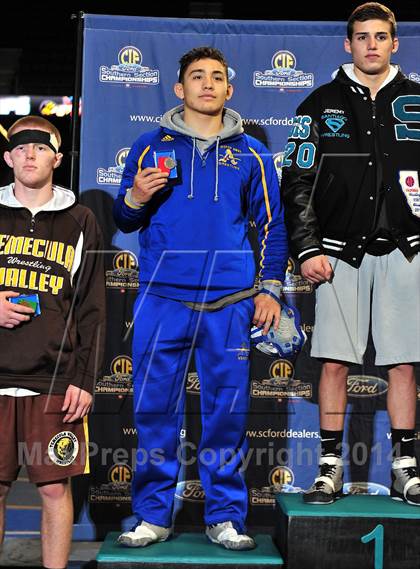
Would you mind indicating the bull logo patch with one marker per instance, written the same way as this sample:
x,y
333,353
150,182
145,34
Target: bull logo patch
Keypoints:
x,y
63,448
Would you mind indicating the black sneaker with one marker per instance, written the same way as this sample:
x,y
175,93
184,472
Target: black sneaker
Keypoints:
x,y
328,485
405,480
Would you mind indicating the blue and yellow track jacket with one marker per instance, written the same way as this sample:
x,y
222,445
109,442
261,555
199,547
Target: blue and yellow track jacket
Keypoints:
x,y
193,234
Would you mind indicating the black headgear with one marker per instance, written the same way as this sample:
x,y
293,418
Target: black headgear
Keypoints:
x,y
32,136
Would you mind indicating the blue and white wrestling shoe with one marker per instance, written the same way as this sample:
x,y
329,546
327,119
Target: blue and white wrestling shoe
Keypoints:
x,y
287,341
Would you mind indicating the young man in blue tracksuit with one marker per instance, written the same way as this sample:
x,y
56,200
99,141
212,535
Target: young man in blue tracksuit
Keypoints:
x,y
189,188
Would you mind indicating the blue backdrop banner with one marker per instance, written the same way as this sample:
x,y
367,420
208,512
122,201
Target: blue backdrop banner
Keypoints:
x,y
129,68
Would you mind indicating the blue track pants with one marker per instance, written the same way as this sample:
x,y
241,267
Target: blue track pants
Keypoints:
x,y
165,332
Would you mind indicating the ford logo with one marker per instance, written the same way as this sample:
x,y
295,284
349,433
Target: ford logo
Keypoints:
x,y
193,383
366,386
190,491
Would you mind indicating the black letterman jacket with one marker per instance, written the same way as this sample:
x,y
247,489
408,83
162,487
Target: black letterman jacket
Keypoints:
x,y
57,254
342,144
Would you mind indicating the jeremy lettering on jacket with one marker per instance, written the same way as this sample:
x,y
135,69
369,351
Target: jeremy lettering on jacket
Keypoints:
x,y
351,195
189,188
52,304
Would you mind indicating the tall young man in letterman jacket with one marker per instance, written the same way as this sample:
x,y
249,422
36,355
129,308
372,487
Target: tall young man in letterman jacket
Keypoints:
x,y
49,350
189,188
351,192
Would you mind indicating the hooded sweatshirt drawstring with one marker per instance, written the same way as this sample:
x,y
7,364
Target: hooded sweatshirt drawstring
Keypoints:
x,y
216,189
191,194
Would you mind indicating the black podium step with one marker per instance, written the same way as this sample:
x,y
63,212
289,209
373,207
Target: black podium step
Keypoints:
x,y
356,532
188,551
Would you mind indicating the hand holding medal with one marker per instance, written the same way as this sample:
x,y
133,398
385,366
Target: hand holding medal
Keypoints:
x,y
150,180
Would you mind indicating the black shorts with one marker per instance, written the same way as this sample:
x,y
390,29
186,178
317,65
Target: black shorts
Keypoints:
x,y
32,433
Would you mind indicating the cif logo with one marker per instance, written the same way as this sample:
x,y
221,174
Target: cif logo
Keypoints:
x,y
283,60
120,474
130,55
190,491
125,261
366,386
281,476
121,365
121,157
282,369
